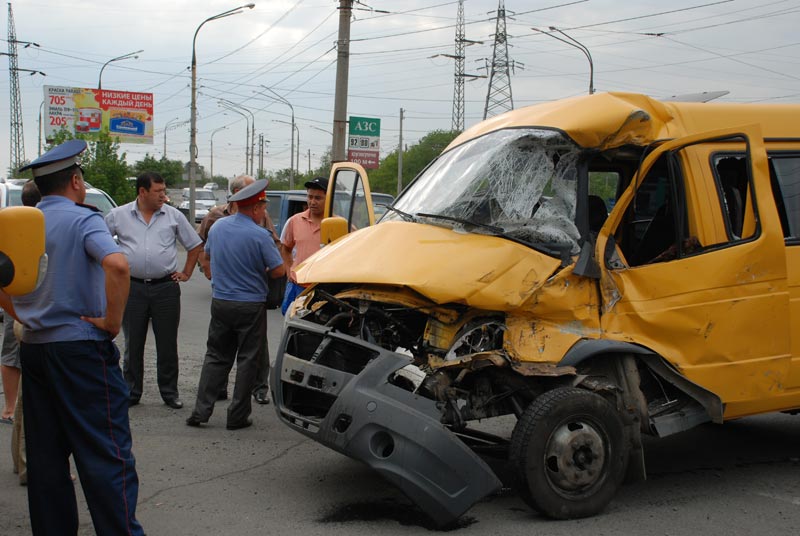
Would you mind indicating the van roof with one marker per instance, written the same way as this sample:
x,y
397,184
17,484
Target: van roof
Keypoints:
x,y
607,120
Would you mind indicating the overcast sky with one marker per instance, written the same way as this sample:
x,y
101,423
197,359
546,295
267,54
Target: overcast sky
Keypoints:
x,y
748,47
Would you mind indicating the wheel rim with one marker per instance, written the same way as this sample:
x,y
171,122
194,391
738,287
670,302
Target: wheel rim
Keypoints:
x,y
575,456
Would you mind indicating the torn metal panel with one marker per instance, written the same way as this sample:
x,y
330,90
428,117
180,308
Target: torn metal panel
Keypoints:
x,y
486,274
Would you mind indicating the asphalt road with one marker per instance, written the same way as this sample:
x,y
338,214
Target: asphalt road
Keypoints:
x,y
742,478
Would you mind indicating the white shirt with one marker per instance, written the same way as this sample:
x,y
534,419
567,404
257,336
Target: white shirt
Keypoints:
x,y
151,248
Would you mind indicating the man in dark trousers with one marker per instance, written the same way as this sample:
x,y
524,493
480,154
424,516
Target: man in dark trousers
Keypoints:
x,y
75,398
240,252
260,387
148,231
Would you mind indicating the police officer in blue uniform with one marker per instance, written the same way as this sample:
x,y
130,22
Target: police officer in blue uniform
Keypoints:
x,y
74,396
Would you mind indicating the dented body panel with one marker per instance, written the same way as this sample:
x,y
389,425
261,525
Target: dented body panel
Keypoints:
x,y
600,267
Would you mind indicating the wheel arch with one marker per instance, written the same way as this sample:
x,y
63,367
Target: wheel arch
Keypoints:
x,y
586,351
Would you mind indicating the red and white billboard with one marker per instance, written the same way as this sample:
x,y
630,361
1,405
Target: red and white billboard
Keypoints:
x,y
125,115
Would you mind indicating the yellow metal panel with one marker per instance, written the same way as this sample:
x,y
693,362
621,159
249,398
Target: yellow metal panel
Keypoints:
x,y
445,266
607,120
22,239
721,317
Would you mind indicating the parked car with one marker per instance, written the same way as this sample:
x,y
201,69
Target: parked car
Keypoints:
x,y
11,191
211,186
503,283
203,201
381,203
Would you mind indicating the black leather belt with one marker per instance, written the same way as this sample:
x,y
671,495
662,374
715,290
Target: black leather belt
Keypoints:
x,y
165,279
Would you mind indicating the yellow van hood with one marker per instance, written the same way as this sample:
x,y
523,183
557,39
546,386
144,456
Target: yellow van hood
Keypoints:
x,y
445,266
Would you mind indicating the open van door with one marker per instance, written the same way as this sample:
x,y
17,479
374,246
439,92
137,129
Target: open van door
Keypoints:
x,y
348,204
717,311
23,261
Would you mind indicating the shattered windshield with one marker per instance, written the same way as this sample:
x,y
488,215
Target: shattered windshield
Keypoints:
x,y
516,183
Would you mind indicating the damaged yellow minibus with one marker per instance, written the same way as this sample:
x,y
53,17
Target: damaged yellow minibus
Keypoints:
x,y
600,268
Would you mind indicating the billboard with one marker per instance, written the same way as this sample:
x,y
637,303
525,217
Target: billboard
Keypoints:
x,y
125,115
364,141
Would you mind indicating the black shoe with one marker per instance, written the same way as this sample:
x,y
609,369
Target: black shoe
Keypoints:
x,y
193,421
262,397
239,425
133,402
223,395
174,403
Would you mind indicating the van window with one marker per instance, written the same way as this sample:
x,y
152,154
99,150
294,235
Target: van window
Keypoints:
x,y
730,172
274,209
786,169
602,197
656,221
349,199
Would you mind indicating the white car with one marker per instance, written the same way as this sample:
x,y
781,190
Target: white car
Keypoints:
x,y
204,200
11,193
211,186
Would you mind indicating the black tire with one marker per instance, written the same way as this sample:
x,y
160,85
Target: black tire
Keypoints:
x,y
569,453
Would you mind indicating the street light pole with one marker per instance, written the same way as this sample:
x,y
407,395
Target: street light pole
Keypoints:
x,y
166,128
293,156
291,150
246,134
193,109
39,147
571,41
230,105
212,150
128,56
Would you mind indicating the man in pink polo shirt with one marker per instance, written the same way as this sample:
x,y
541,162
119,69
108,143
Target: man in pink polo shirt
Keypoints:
x,y
300,236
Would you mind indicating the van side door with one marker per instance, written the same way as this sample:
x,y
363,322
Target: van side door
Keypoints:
x,y
348,203
716,310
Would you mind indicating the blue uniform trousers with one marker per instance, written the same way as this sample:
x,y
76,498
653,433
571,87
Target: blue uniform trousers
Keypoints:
x,y
75,401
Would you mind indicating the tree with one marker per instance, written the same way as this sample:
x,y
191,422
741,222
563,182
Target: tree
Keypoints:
x,y
171,170
384,179
104,167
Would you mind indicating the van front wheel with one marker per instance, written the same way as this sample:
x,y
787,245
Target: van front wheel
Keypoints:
x,y
569,452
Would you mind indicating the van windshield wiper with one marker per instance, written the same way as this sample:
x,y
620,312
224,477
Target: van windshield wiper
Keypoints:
x,y
405,215
463,221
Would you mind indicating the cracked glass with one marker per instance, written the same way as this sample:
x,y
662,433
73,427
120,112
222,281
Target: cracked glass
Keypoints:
x,y
516,183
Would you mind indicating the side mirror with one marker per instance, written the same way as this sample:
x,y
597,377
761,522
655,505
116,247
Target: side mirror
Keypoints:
x,y
332,229
23,246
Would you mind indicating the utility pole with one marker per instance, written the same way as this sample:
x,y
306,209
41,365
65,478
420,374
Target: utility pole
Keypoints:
x,y
309,162
499,98
342,71
15,103
458,77
260,156
400,157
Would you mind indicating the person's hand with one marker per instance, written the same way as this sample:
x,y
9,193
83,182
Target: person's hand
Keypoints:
x,y
180,277
103,323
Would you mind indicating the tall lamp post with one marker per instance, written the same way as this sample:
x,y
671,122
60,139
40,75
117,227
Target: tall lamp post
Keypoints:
x,y
292,155
128,56
571,41
212,150
166,128
230,105
291,150
247,132
193,110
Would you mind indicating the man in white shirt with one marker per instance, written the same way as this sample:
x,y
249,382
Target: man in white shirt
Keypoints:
x,y
148,231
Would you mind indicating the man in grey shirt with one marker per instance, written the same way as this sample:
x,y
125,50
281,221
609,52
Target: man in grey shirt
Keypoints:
x,y
148,231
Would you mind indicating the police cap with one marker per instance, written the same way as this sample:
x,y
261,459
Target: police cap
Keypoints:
x,y
250,194
58,158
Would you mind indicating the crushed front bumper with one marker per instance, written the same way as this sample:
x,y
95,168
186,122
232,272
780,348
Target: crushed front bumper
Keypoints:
x,y
335,389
